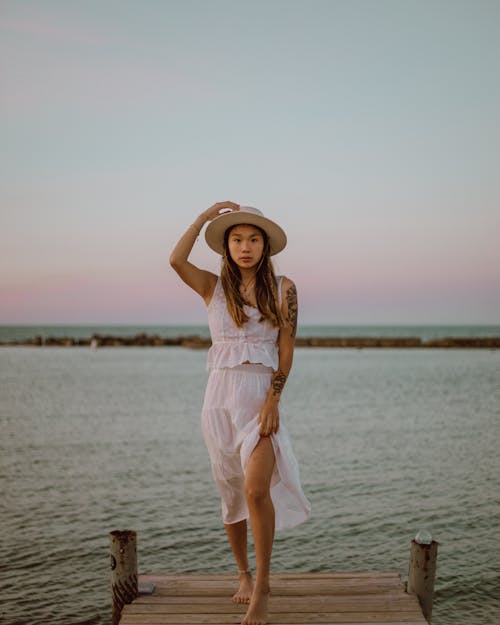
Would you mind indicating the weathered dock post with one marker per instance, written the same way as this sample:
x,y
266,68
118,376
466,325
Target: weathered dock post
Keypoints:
x,y
422,570
123,552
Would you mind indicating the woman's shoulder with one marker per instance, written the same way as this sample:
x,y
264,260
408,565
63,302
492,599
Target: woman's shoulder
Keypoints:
x,y
286,288
285,283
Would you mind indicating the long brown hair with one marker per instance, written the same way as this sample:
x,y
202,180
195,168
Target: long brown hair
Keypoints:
x,y
266,286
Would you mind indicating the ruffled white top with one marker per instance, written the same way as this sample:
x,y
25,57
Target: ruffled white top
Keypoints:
x,y
255,342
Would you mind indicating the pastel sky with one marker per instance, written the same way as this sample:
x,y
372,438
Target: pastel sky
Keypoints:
x,y
370,130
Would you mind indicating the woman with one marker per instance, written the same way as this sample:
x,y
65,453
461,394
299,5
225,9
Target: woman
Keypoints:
x,y
253,320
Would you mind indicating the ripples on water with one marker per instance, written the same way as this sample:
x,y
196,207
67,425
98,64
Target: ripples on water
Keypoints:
x,y
389,441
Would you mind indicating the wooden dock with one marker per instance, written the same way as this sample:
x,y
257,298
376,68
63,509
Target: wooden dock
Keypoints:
x,y
296,598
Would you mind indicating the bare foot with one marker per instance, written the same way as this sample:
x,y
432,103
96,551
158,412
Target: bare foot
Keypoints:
x,y
257,610
245,590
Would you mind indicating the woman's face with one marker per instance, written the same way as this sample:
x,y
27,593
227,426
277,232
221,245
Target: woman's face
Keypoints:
x,y
246,245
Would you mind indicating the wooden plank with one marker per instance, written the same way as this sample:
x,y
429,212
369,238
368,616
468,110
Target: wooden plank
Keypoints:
x,y
212,581
289,618
223,599
198,605
280,581
284,588
163,582
420,622
277,575
278,601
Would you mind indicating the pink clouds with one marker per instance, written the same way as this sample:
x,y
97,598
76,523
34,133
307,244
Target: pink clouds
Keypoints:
x,y
112,296
160,297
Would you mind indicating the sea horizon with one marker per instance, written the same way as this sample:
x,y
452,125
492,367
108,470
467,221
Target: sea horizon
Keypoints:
x,y
424,331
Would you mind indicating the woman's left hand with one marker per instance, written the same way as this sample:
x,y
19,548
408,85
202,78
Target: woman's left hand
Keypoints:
x,y
269,417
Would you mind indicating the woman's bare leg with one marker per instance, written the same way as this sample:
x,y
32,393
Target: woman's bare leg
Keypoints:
x,y
237,534
257,488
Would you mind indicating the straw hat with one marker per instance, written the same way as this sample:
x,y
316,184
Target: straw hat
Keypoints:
x,y
214,234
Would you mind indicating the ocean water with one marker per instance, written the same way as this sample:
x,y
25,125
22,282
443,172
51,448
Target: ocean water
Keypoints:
x,y
388,441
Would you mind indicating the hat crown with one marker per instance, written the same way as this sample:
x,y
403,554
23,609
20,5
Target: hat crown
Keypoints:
x,y
251,209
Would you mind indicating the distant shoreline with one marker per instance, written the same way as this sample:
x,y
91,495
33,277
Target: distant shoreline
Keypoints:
x,y
201,342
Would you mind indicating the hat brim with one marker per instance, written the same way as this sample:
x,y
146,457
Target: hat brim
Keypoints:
x,y
214,234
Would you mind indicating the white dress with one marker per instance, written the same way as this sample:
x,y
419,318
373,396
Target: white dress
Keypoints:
x,y
234,396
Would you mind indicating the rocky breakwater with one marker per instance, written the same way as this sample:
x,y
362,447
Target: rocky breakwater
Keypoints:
x,y
358,341
485,342
110,340
200,342
488,342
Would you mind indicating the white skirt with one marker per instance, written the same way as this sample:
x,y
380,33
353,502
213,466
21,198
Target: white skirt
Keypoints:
x,y
229,420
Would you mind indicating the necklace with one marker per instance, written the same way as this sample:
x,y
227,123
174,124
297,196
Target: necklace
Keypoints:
x,y
246,287
245,290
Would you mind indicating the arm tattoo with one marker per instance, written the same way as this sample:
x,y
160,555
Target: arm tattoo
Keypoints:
x,y
291,300
278,382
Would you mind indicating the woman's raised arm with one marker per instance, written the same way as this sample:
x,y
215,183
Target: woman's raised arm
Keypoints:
x,y
201,281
